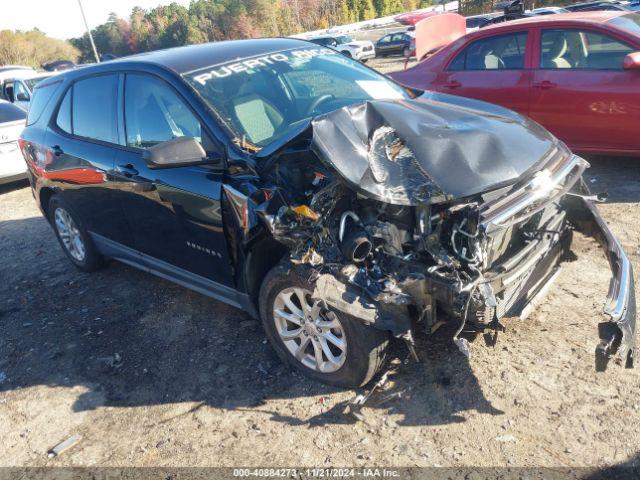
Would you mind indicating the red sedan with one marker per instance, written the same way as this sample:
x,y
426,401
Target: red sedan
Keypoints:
x,y
577,74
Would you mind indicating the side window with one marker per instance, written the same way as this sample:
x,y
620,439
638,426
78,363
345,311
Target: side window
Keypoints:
x,y
581,49
63,120
94,108
40,99
503,52
21,93
385,39
397,37
153,113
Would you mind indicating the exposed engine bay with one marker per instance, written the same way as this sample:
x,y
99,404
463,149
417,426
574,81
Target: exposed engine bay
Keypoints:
x,y
391,237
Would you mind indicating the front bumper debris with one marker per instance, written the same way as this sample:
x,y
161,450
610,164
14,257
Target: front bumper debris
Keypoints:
x,y
617,335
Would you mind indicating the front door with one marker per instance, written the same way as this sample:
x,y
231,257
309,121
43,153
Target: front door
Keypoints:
x,y
21,95
174,213
492,69
582,94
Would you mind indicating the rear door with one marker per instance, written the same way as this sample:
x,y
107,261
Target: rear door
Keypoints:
x,y
582,94
494,69
397,43
81,144
174,213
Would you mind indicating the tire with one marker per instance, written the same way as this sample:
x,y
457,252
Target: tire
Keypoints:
x,y
86,258
365,346
406,51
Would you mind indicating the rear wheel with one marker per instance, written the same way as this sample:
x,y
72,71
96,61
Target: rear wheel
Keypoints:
x,y
323,344
406,51
73,236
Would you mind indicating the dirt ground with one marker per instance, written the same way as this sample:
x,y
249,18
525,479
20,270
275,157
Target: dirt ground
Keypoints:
x,y
151,374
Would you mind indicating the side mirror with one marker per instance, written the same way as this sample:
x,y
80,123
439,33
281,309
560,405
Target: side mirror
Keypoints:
x,y
22,97
632,61
174,153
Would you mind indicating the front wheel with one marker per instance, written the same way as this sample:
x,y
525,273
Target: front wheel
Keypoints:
x,y
323,344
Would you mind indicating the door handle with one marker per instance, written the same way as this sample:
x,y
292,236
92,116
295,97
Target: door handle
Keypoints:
x,y
452,84
56,150
545,85
126,170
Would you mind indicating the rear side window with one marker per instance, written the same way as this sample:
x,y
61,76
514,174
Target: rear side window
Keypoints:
x,y
10,113
63,120
503,52
94,108
39,101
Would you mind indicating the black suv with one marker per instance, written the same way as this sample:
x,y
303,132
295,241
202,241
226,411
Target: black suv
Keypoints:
x,y
305,188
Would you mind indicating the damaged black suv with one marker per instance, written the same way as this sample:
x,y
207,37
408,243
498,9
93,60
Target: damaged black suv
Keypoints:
x,y
307,189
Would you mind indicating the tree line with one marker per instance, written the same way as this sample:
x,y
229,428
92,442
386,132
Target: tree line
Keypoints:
x,y
33,48
212,20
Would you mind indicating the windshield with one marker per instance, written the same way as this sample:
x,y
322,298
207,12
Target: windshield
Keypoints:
x,y
10,113
262,98
629,22
344,39
32,82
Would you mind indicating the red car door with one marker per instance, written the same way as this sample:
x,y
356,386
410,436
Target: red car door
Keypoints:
x,y
582,94
492,68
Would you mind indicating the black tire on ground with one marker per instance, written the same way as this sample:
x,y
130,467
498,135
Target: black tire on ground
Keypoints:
x,y
366,346
92,260
406,51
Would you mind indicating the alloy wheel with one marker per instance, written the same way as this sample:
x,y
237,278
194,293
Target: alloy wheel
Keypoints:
x,y
311,333
69,234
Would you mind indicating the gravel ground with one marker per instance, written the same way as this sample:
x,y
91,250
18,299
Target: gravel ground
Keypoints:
x,y
151,374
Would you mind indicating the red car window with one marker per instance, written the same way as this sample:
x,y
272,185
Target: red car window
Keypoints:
x,y
581,49
502,52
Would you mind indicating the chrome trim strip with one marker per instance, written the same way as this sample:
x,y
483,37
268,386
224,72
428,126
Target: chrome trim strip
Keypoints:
x,y
507,211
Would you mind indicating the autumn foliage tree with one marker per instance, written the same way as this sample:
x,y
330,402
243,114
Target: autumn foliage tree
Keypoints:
x,y
33,48
212,20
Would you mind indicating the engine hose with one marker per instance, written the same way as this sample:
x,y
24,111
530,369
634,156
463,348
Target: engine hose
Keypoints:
x,y
343,222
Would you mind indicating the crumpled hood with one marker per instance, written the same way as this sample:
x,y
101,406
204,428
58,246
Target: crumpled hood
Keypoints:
x,y
431,149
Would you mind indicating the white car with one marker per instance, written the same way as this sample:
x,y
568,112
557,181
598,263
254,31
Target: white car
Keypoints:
x,y
19,89
14,71
549,10
12,122
361,50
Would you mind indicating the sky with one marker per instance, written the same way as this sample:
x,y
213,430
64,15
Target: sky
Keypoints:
x,y
62,18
